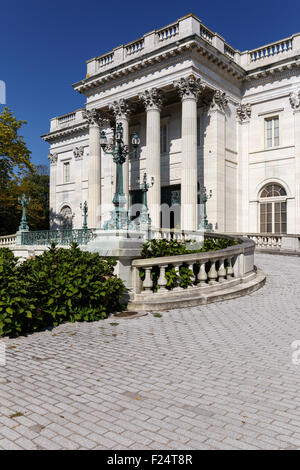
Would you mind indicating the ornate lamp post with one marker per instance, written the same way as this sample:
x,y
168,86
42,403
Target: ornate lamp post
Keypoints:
x,y
119,151
144,186
84,207
24,203
204,197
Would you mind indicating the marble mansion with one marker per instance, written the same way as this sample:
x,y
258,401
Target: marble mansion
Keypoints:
x,y
206,114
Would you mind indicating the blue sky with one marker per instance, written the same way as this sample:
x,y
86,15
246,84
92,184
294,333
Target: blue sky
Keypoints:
x,y
44,45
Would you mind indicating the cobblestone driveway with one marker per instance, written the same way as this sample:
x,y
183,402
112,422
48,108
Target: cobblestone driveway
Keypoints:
x,y
209,377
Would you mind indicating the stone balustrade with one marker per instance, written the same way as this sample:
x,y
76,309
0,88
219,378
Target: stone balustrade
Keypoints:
x,y
274,242
7,240
213,275
169,32
66,120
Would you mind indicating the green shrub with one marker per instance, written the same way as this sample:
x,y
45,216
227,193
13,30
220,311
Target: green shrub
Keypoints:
x,y
59,285
162,247
15,303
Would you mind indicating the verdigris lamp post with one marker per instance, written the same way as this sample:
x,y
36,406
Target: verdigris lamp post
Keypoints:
x,y
204,197
119,216
23,227
24,203
84,207
144,186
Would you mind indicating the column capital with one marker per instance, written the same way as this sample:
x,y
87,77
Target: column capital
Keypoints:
x,y
243,112
121,108
94,117
152,99
295,100
53,158
219,101
189,87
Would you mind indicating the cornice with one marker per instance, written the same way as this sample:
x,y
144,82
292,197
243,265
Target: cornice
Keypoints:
x,y
66,131
190,43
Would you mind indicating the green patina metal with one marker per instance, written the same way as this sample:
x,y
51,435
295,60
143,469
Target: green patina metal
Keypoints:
x,y
84,207
60,237
24,203
144,217
204,197
119,216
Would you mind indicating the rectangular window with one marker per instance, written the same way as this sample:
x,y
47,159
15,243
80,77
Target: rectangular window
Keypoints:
x,y
164,139
272,132
66,172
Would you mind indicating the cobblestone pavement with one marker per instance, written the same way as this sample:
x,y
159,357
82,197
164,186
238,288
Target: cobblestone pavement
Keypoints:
x,y
212,377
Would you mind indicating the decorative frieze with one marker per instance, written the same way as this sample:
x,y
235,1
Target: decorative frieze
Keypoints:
x,y
219,100
152,99
295,99
94,117
78,153
243,111
189,87
121,108
53,158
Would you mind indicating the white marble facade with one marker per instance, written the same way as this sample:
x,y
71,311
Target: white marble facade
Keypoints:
x,y
206,114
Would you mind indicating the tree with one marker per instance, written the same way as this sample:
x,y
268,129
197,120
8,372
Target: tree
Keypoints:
x,y
14,154
18,175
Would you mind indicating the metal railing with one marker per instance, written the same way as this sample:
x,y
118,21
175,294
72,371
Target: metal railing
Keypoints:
x,y
60,237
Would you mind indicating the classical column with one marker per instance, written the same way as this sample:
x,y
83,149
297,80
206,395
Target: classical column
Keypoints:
x,y
243,113
295,103
122,111
214,160
152,100
95,120
52,196
78,153
189,89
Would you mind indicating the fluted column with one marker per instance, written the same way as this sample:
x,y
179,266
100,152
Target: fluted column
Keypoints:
x,y
122,111
243,115
214,160
152,100
95,121
52,196
189,89
295,103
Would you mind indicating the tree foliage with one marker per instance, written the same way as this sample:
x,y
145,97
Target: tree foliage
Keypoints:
x,y
17,176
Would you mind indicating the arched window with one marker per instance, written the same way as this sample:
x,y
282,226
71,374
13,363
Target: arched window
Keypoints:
x,y
273,209
65,217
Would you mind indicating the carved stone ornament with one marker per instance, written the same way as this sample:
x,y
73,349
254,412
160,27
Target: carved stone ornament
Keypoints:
x,y
243,111
94,116
78,153
121,108
189,87
219,100
53,158
152,99
295,99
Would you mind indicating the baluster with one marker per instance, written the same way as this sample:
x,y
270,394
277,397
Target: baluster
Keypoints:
x,y
229,268
162,281
192,276
212,274
148,283
178,281
202,276
222,271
